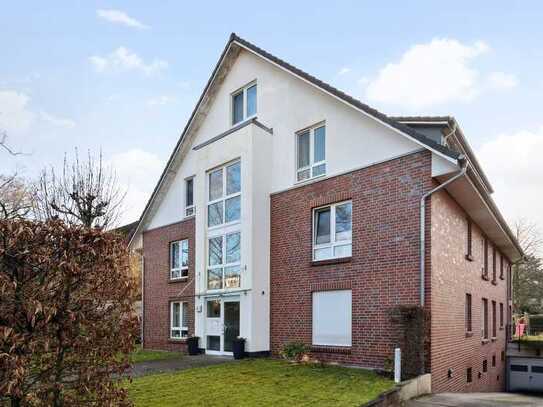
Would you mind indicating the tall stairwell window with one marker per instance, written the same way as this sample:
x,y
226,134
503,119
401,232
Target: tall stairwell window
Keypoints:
x,y
311,152
224,227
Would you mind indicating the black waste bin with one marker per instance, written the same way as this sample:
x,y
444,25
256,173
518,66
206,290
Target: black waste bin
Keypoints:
x,y
239,348
192,343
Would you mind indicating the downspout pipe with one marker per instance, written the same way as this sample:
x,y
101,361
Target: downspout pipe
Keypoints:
x,y
460,174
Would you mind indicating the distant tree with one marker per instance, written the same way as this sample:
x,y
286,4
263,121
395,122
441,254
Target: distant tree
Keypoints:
x,y
85,193
15,197
66,319
528,275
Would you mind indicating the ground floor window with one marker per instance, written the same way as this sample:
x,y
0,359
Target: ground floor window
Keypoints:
x,y
332,318
179,320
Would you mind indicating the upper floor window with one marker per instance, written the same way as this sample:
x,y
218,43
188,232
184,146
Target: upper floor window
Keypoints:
x,y
224,200
494,264
501,267
484,319
189,196
332,231
311,153
485,258
244,104
179,259
469,242
468,313
179,320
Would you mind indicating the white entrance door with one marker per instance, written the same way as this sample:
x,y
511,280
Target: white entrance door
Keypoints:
x,y
222,325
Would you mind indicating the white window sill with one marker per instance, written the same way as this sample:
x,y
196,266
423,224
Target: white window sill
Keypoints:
x,y
309,180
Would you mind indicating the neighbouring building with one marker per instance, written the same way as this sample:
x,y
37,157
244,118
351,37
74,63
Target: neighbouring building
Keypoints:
x,y
290,211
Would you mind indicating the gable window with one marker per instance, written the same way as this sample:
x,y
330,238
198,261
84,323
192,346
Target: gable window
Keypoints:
x,y
311,153
332,231
178,320
244,104
189,196
179,259
468,313
224,200
224,261
469,254
484,319
332,318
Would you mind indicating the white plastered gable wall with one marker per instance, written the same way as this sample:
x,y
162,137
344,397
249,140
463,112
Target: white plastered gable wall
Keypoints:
x,y
287,104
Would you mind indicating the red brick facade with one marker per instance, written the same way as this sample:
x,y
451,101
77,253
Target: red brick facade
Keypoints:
x,y
454,276
383,271
159,291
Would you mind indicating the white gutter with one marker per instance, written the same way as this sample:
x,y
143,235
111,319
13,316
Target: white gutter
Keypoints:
x,y
423,226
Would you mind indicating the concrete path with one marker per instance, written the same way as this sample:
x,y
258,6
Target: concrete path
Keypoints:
x,y
185,362
476,400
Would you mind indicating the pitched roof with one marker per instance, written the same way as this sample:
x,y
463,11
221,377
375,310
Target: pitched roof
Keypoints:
x,y
234,39
347,98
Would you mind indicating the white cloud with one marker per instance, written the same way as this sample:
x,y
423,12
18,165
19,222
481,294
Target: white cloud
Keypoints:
x,y
344,70
434,73
160,101
14,112
123,59
515,169
502,80
120,17
57,121
138,172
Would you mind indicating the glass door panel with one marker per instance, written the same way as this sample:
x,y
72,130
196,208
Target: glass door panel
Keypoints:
x,y
231,324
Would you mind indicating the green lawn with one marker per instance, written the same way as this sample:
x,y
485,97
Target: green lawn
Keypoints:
x,y
141,355
262,382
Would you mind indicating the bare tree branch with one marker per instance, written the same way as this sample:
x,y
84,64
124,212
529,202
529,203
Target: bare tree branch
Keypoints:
x,y
4,144
87,193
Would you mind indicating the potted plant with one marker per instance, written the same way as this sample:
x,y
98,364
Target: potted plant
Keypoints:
x,y
238,347
192,344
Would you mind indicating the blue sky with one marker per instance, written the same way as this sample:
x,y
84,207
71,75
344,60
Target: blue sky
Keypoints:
x,y
124,76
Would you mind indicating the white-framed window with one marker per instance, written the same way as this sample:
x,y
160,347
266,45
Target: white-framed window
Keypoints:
x,y
179,259
179,320
311,152
189,196
224,195
244,103
332,231
224,261
332,318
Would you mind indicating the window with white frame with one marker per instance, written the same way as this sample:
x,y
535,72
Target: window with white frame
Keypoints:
x,y
179,259
224,198
244,103
189,196
224,261
332,318
332,231
311,152
179,320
